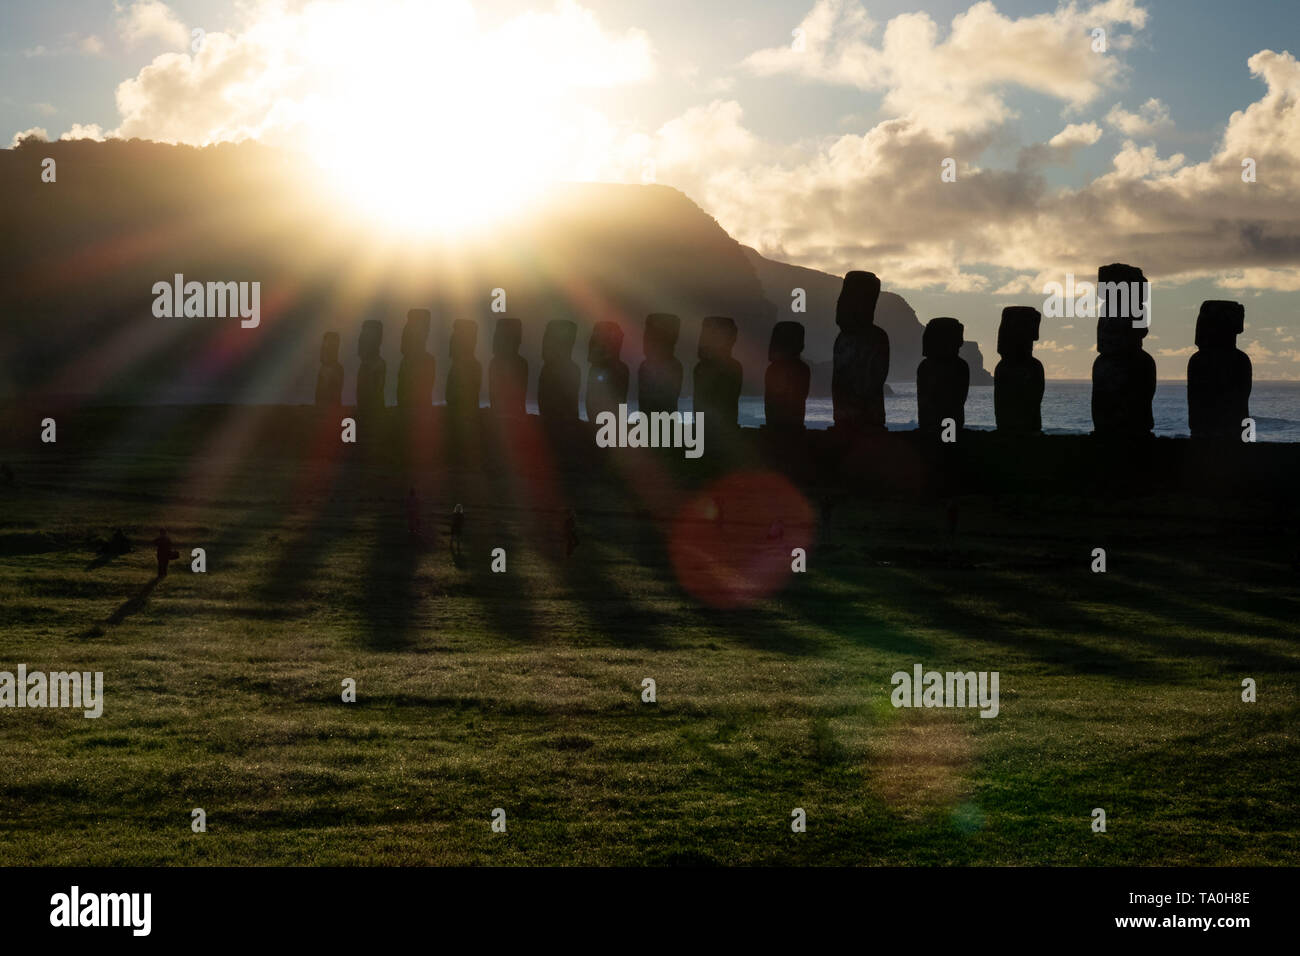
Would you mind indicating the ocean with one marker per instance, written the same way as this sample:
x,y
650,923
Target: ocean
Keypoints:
x,y
1275,406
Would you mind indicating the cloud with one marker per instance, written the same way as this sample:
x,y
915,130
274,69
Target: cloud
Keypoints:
x,y
876,201
959,82
45,109
1151,117
35,132
84,131
150,20
91,45
280,76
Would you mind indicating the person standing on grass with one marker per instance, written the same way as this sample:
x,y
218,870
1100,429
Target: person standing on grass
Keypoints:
x,y
457,529
164,551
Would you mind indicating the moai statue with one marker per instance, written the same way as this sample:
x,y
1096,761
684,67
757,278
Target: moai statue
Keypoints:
x,y
465,376
788,378
1018,378
329,380
1219,373
608,377
659,377
718,376
942,378
415,374
861,355
560,380
1123,376
373,373
508,370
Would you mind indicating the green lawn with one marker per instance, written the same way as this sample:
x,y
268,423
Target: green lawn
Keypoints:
x,y
522,690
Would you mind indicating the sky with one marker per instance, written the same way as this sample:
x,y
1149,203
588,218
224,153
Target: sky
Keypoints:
x,y
814,130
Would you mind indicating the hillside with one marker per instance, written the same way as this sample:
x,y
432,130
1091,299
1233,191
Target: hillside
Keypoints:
x,y
81,256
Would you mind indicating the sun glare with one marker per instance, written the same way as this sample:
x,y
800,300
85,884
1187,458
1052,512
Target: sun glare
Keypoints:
x,y
421,123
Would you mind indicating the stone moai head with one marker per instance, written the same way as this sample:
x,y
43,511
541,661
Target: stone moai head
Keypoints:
x,y
464,338
605,344
416,332
1018,331
661,332
329,348
558,340
942,338
371,338
507,337
717,337
1120,288
1219,323
855,309
786,342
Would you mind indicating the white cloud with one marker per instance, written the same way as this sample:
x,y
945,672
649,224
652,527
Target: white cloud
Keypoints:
x,y
84,131
957,83
35,132
151,20
1151,117
91,45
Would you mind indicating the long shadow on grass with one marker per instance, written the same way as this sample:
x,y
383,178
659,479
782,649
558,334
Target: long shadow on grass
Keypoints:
x,y
132,605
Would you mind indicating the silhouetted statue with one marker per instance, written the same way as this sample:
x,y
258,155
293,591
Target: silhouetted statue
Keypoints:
x,y
1123,376
508,370
465,377
1018,378
788,378
718,376
942,378
560,380
861,355
659,377
415,374
608,377
1219,374
329,380
373,373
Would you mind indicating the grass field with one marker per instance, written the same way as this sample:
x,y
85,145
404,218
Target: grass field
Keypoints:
x,y
522,690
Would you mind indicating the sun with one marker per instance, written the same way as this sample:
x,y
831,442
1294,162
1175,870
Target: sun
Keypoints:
x,y
419,123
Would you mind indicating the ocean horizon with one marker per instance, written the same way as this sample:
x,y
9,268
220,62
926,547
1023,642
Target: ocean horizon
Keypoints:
x,y
1067,409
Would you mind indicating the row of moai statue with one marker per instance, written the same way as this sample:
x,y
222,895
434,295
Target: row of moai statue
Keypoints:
x,y
718,376
1124,376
